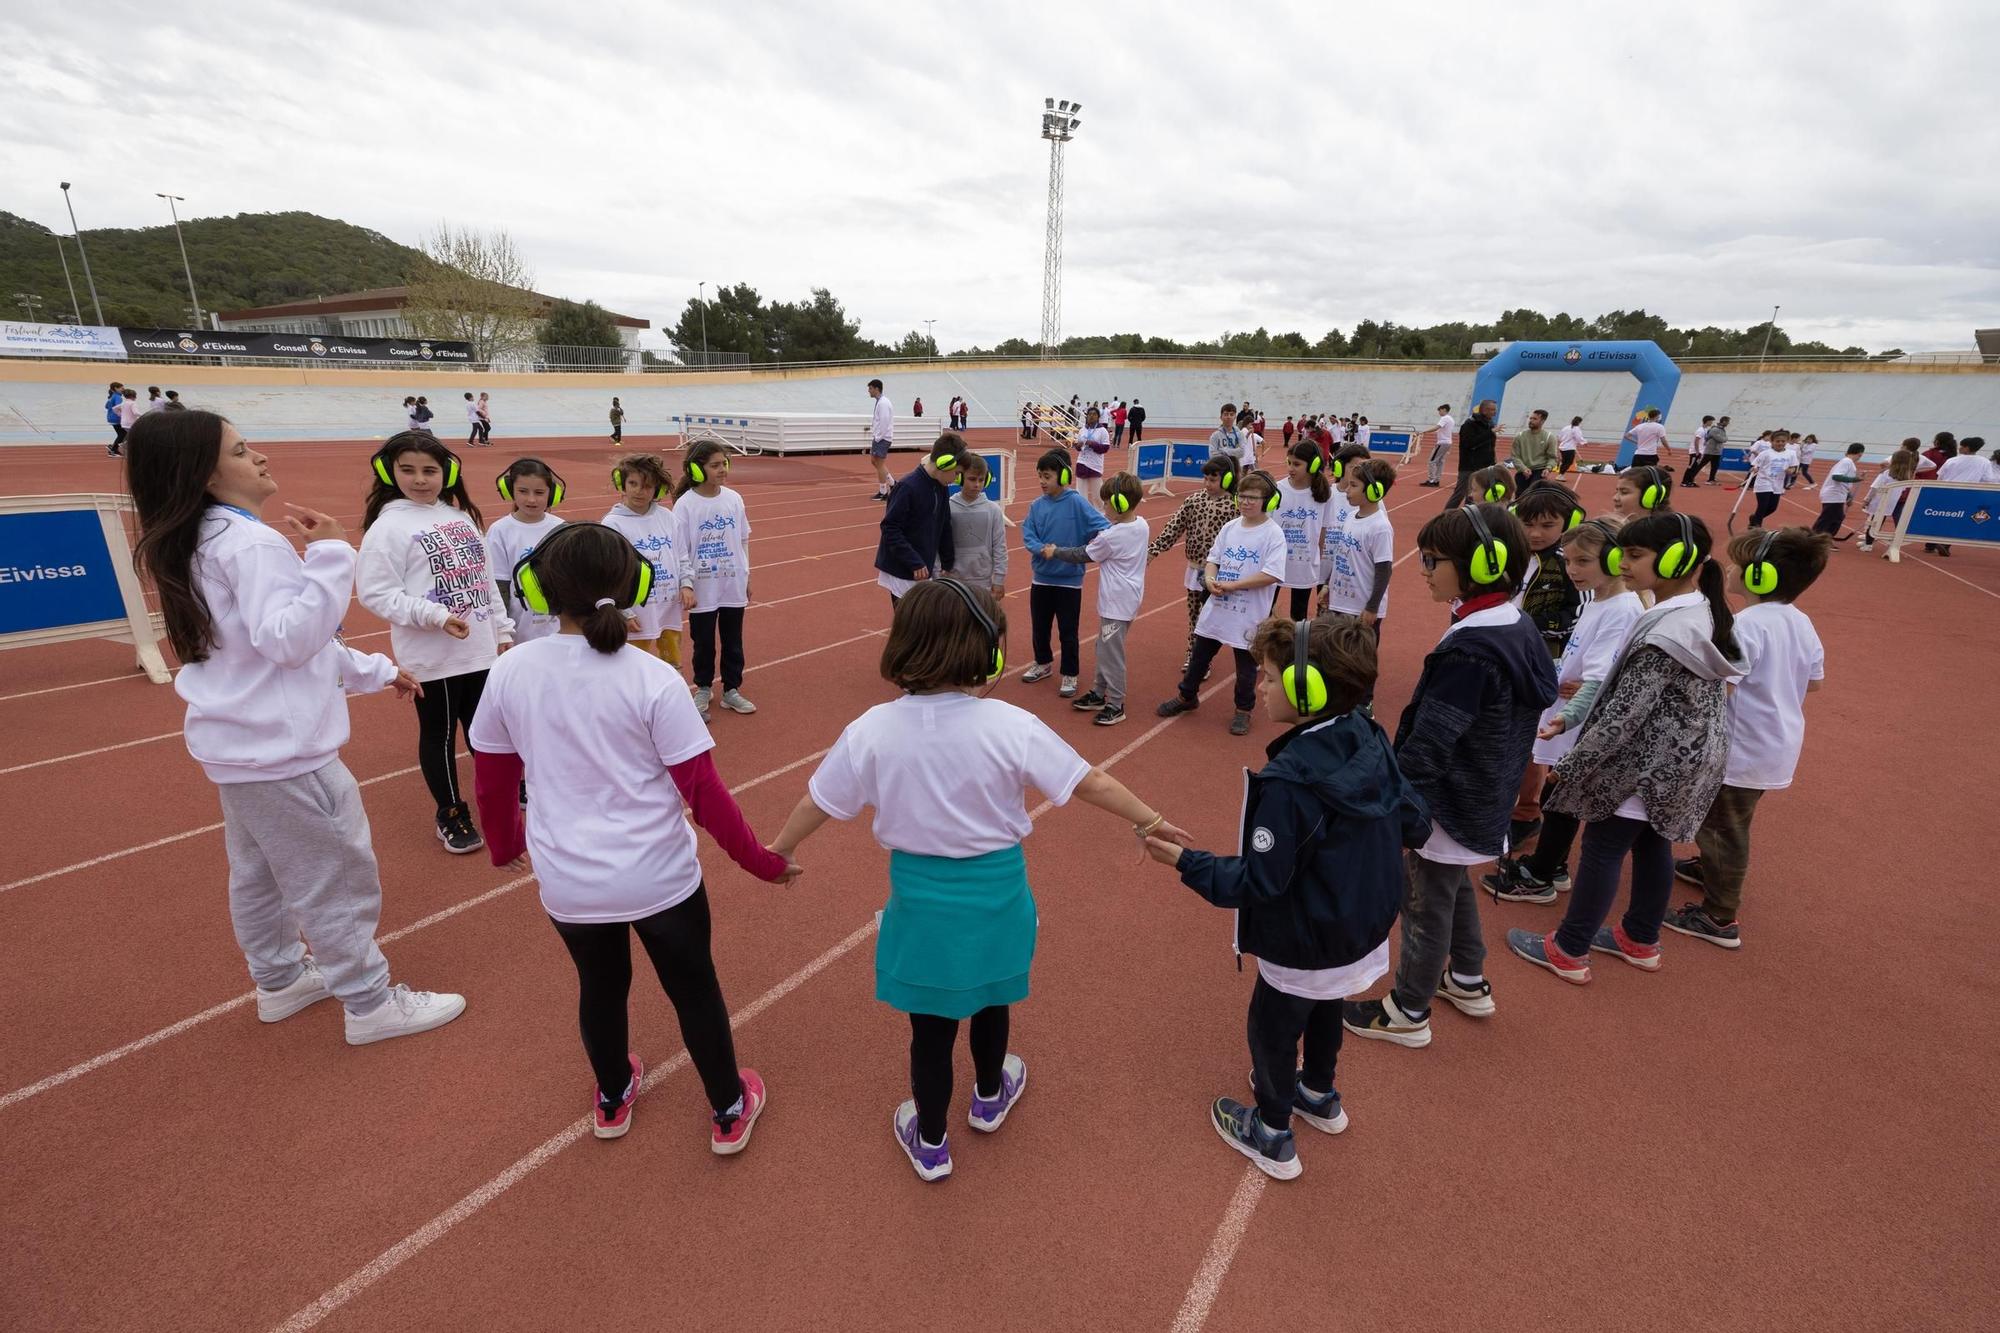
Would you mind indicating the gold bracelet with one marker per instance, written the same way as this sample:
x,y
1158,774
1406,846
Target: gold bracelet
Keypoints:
x,y
1144,829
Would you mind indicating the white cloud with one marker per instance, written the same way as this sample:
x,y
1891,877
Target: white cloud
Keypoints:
x,y
1294,166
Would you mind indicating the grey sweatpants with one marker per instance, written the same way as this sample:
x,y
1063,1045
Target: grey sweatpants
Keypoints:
x,y
1440,924
301,862
1438,451
1110,678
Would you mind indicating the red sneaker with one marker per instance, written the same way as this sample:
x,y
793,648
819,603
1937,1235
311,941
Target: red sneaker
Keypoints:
x,y
1612,939
612,1124
736,1137
1543,951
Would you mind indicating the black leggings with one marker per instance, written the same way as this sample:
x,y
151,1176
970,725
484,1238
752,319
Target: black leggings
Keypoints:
x,y
1568,462
1064,608
931,1042
1767,504
1830,518
677,942
444,709
1709,461
1277,1021
1302,601
1197,669
702,627
1553,843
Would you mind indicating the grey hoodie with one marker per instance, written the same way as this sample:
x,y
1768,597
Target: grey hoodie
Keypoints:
x,y
979,541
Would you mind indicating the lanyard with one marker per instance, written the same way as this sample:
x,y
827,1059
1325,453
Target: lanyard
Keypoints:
x,y
237,509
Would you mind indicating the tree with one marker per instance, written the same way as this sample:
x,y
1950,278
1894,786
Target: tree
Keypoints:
x,y
819,330
474,287
587,328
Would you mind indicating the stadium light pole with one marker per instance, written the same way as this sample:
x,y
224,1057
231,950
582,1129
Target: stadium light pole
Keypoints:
x,y
701,300
89,281
68,281
1767,336
28,302
1059,124
186,267
930,339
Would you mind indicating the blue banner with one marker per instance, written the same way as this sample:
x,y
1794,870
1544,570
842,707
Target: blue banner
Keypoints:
x,y
55,570
1149,462
1389,441
1954,513
1187,459
994,462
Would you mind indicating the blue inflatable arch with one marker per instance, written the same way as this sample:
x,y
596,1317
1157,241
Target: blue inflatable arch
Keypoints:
x,y
1656,372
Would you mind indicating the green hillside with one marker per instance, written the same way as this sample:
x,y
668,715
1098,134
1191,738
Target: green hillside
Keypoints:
x,y
247,260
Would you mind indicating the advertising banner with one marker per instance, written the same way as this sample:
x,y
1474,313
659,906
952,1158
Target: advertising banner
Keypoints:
x,y
1389,441
1949,512
55,569
95,341
299,346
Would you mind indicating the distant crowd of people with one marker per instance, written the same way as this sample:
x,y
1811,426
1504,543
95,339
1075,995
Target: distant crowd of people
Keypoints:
x,y
122,407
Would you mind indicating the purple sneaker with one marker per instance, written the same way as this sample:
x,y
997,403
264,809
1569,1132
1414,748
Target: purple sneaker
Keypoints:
x,y
986,1115
931,1163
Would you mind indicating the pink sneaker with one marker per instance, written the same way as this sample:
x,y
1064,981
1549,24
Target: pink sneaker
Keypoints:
x,y
612,1124
737,1136
1612,939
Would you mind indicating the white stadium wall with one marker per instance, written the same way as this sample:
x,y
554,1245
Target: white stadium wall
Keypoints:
x,y
1878,404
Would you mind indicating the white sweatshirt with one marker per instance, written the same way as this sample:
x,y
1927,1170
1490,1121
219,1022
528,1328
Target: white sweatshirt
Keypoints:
x,y
267,704
421,565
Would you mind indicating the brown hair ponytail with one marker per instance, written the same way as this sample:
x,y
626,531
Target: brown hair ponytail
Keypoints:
x,y
169,458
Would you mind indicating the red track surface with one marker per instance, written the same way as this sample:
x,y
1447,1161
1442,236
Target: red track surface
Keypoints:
x,y
1799,1135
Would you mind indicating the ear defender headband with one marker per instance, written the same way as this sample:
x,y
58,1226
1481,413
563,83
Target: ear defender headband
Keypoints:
x,y
1654,493
528,583
1305,687
387,478
1496,493
1760,575
999,662
1610,555
1682,557
618,483
504,483
1121,502
1489,561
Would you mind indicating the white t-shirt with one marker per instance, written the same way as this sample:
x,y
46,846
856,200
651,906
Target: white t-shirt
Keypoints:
x,y
1840,482
128,412
1303,519
1328,983
653,534
1354,546
472,411
1442,848
714,537
1446,427
1771,467
1594,644
1767,720
1879,501
1963,467
1570,437
509,541
1120,554
1648,437
1093,443
1240,550
596,733
945,773
884,425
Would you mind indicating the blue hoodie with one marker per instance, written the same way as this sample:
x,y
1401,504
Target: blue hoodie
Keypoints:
x,y
1067,520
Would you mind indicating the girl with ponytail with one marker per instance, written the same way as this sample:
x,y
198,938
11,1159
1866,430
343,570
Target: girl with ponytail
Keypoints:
x,y
712,530
1652,750
609,742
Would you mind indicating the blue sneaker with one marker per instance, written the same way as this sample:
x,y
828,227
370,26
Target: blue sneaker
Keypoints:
x,y
931,1163
1269,1150
1322,1113
985,1114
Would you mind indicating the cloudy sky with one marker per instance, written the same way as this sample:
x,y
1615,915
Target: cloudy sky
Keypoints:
x,y
1298,166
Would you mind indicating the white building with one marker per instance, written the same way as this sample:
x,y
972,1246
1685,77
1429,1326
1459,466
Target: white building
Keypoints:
x,y
371,314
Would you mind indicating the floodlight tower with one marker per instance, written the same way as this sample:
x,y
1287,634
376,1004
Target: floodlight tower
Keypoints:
x,y
1059,124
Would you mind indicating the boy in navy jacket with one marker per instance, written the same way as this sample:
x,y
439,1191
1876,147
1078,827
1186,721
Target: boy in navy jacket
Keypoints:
x,y
916,527
1061,518
1318,883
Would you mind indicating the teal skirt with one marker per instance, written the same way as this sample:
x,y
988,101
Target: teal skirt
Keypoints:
x,y
958,934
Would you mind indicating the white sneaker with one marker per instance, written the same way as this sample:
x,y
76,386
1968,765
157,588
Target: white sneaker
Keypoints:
x,y
702,696
1039,671
309,988
734,701
404,1014
1067,689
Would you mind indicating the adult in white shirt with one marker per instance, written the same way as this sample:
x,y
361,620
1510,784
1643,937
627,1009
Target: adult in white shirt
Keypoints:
x,y
881,436
1446,429
1648,437
1568,441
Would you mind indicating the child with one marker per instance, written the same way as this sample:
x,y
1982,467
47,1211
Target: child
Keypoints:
x,y
1650,754
619,760
1838,490
472,422
1771,475
422,414
1551,602
916,526
127,411
1881,509
944,769
1591,552
425,569
617,422
1494,485
1463,742
534,490
1440,446
1120,553
1648,437
1642,491
642,517
1093,446
712,532
114,396
1060,518
1227,438
257,632
1807,448
1304,494
1247,559
1783,662
1317,883
978,531
485,421
1194,525
1359,545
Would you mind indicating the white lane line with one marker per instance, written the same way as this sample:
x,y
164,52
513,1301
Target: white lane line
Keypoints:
x,y
85,754
134,674
1207,1284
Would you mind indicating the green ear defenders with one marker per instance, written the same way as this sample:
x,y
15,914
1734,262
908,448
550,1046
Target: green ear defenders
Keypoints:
x,y
1489,561
1374,490
1228,480
1271,502
1682,557
696,472
528,584
1760,575
1496,493
1315,463
387,478
999,662
1121,502
1610,555
504,483
1305,687
1654,493
618,484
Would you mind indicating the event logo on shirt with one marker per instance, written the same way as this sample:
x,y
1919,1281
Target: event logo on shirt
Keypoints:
x,y
650,547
